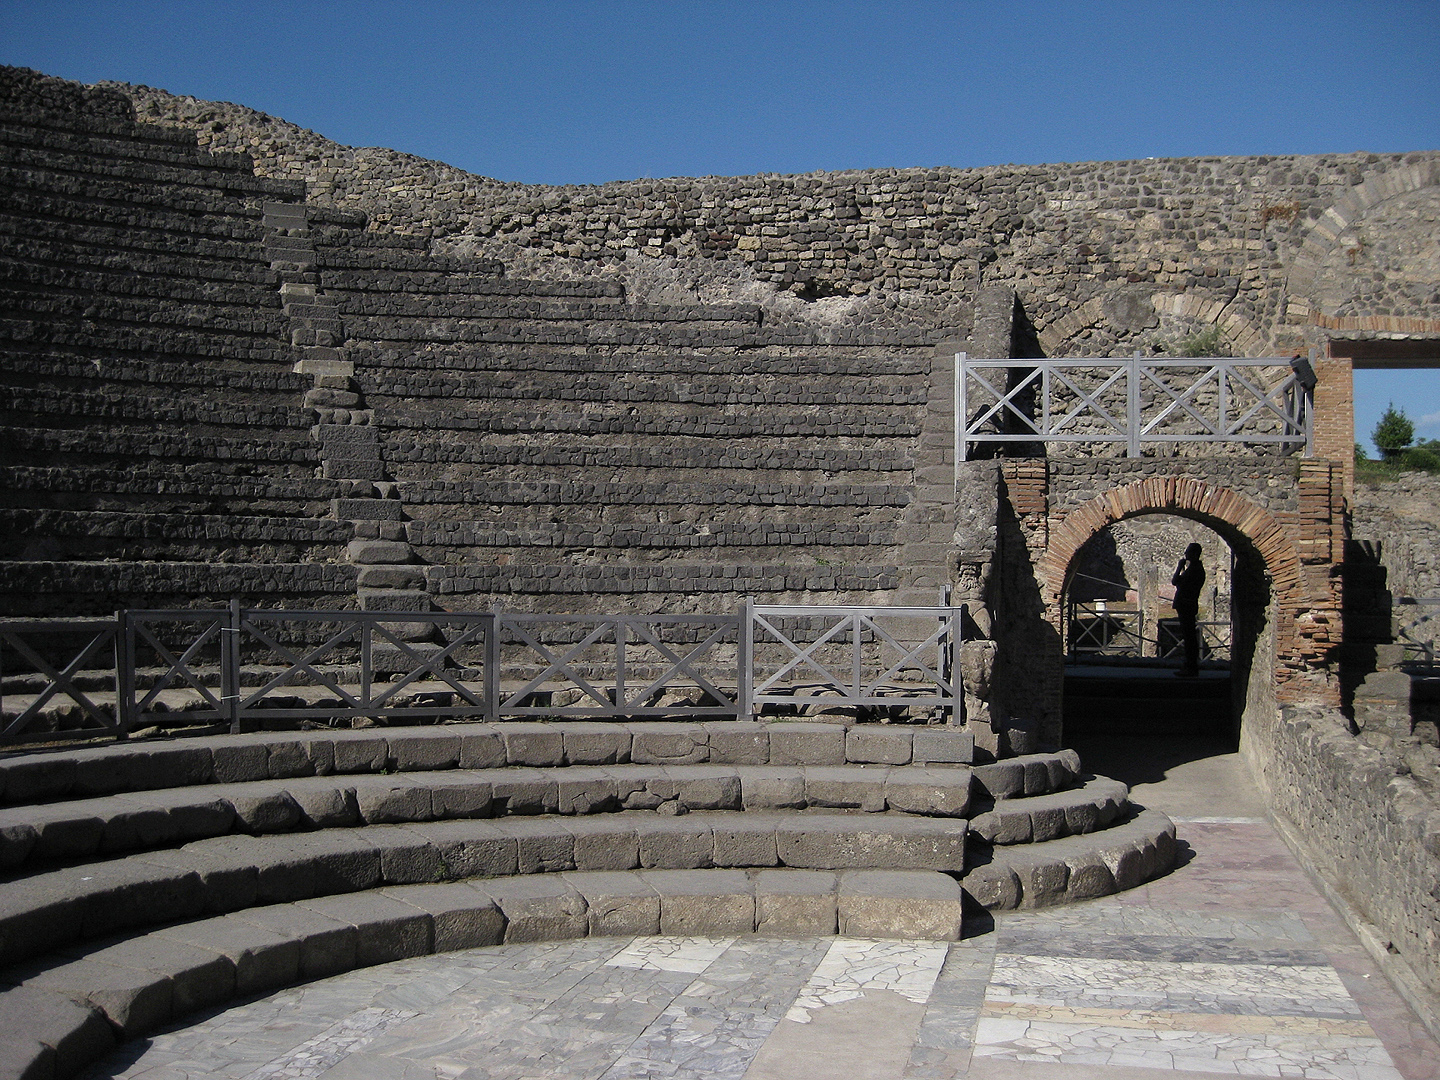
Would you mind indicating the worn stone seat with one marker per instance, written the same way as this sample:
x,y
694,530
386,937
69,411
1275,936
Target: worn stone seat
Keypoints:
x,y
137,820
71,1008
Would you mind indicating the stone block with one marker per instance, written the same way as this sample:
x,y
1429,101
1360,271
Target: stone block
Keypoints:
x,y
523,791
745,840
882,744
423,749
327,807
379,552
943,746
596,743
543,845
286,758
481,746
668,743
63,833
942,792
533,744
46,1030
459,795
265,808
703,788
471,849
360,752
703,903
129,892
315,864
1037,775
1089,876
328,946
229,878
38,777
461,916
763,788
584,790
1000,779
1042,881
738,742
239,759
807,744
610,842
367,510
385,800
262,959
539,908
391,577
17,841
406,857
106,770
386,928
200,977
671,843
795,903
617,904
846,786
889,842
134,1001
1003,825
900,904
993,885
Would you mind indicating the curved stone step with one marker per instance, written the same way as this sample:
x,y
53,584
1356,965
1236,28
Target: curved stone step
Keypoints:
x,y
47,910
151,765
108,825
1048,817
1028,774
1074,867
67,1010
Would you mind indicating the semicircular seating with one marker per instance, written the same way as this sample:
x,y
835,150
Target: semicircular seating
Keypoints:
x,y
146,880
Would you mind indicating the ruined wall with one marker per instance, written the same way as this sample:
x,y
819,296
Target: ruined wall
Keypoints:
x,y
1107,257
1403,517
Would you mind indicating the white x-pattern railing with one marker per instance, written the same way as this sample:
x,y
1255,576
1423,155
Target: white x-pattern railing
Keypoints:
x,y
1133,401
237,666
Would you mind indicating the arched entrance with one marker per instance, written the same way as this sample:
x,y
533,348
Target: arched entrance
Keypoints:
x,y
1282,605
1124,640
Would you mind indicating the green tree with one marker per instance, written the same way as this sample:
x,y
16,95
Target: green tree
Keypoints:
x,y
1394,433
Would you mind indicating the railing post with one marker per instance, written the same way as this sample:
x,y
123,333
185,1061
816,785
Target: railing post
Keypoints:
x,y
1132,409
955,676
962,444
230,664
745,656
124,674
490,686
622,637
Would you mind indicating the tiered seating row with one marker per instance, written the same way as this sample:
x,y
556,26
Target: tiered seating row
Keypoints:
x,y
146,881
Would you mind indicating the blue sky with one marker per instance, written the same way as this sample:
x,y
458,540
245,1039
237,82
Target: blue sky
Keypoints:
x,y
566,91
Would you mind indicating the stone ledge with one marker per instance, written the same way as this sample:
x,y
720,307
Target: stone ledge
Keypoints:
x,y
70,1006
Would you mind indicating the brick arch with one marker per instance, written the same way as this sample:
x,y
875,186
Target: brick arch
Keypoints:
x,y
1207,503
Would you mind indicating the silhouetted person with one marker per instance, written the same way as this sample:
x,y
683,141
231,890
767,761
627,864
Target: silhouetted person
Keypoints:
x,y
1189,579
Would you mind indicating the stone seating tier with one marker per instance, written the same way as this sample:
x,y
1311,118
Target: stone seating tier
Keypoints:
x,y
146,880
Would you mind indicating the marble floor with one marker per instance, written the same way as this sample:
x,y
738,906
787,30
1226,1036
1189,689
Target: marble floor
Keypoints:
x,y
1233,964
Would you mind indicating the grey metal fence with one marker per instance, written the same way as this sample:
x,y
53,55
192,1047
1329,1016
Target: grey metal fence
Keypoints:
x,y
1133,401
234,668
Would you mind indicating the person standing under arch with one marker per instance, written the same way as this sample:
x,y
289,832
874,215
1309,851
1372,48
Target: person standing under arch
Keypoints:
x,y
1189,579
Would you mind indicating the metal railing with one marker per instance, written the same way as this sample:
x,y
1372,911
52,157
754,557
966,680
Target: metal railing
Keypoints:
x,y
1416,630
234,667
1135,401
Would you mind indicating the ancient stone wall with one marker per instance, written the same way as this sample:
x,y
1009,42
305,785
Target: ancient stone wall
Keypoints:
x,y
154,450
1403,518
1107,257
